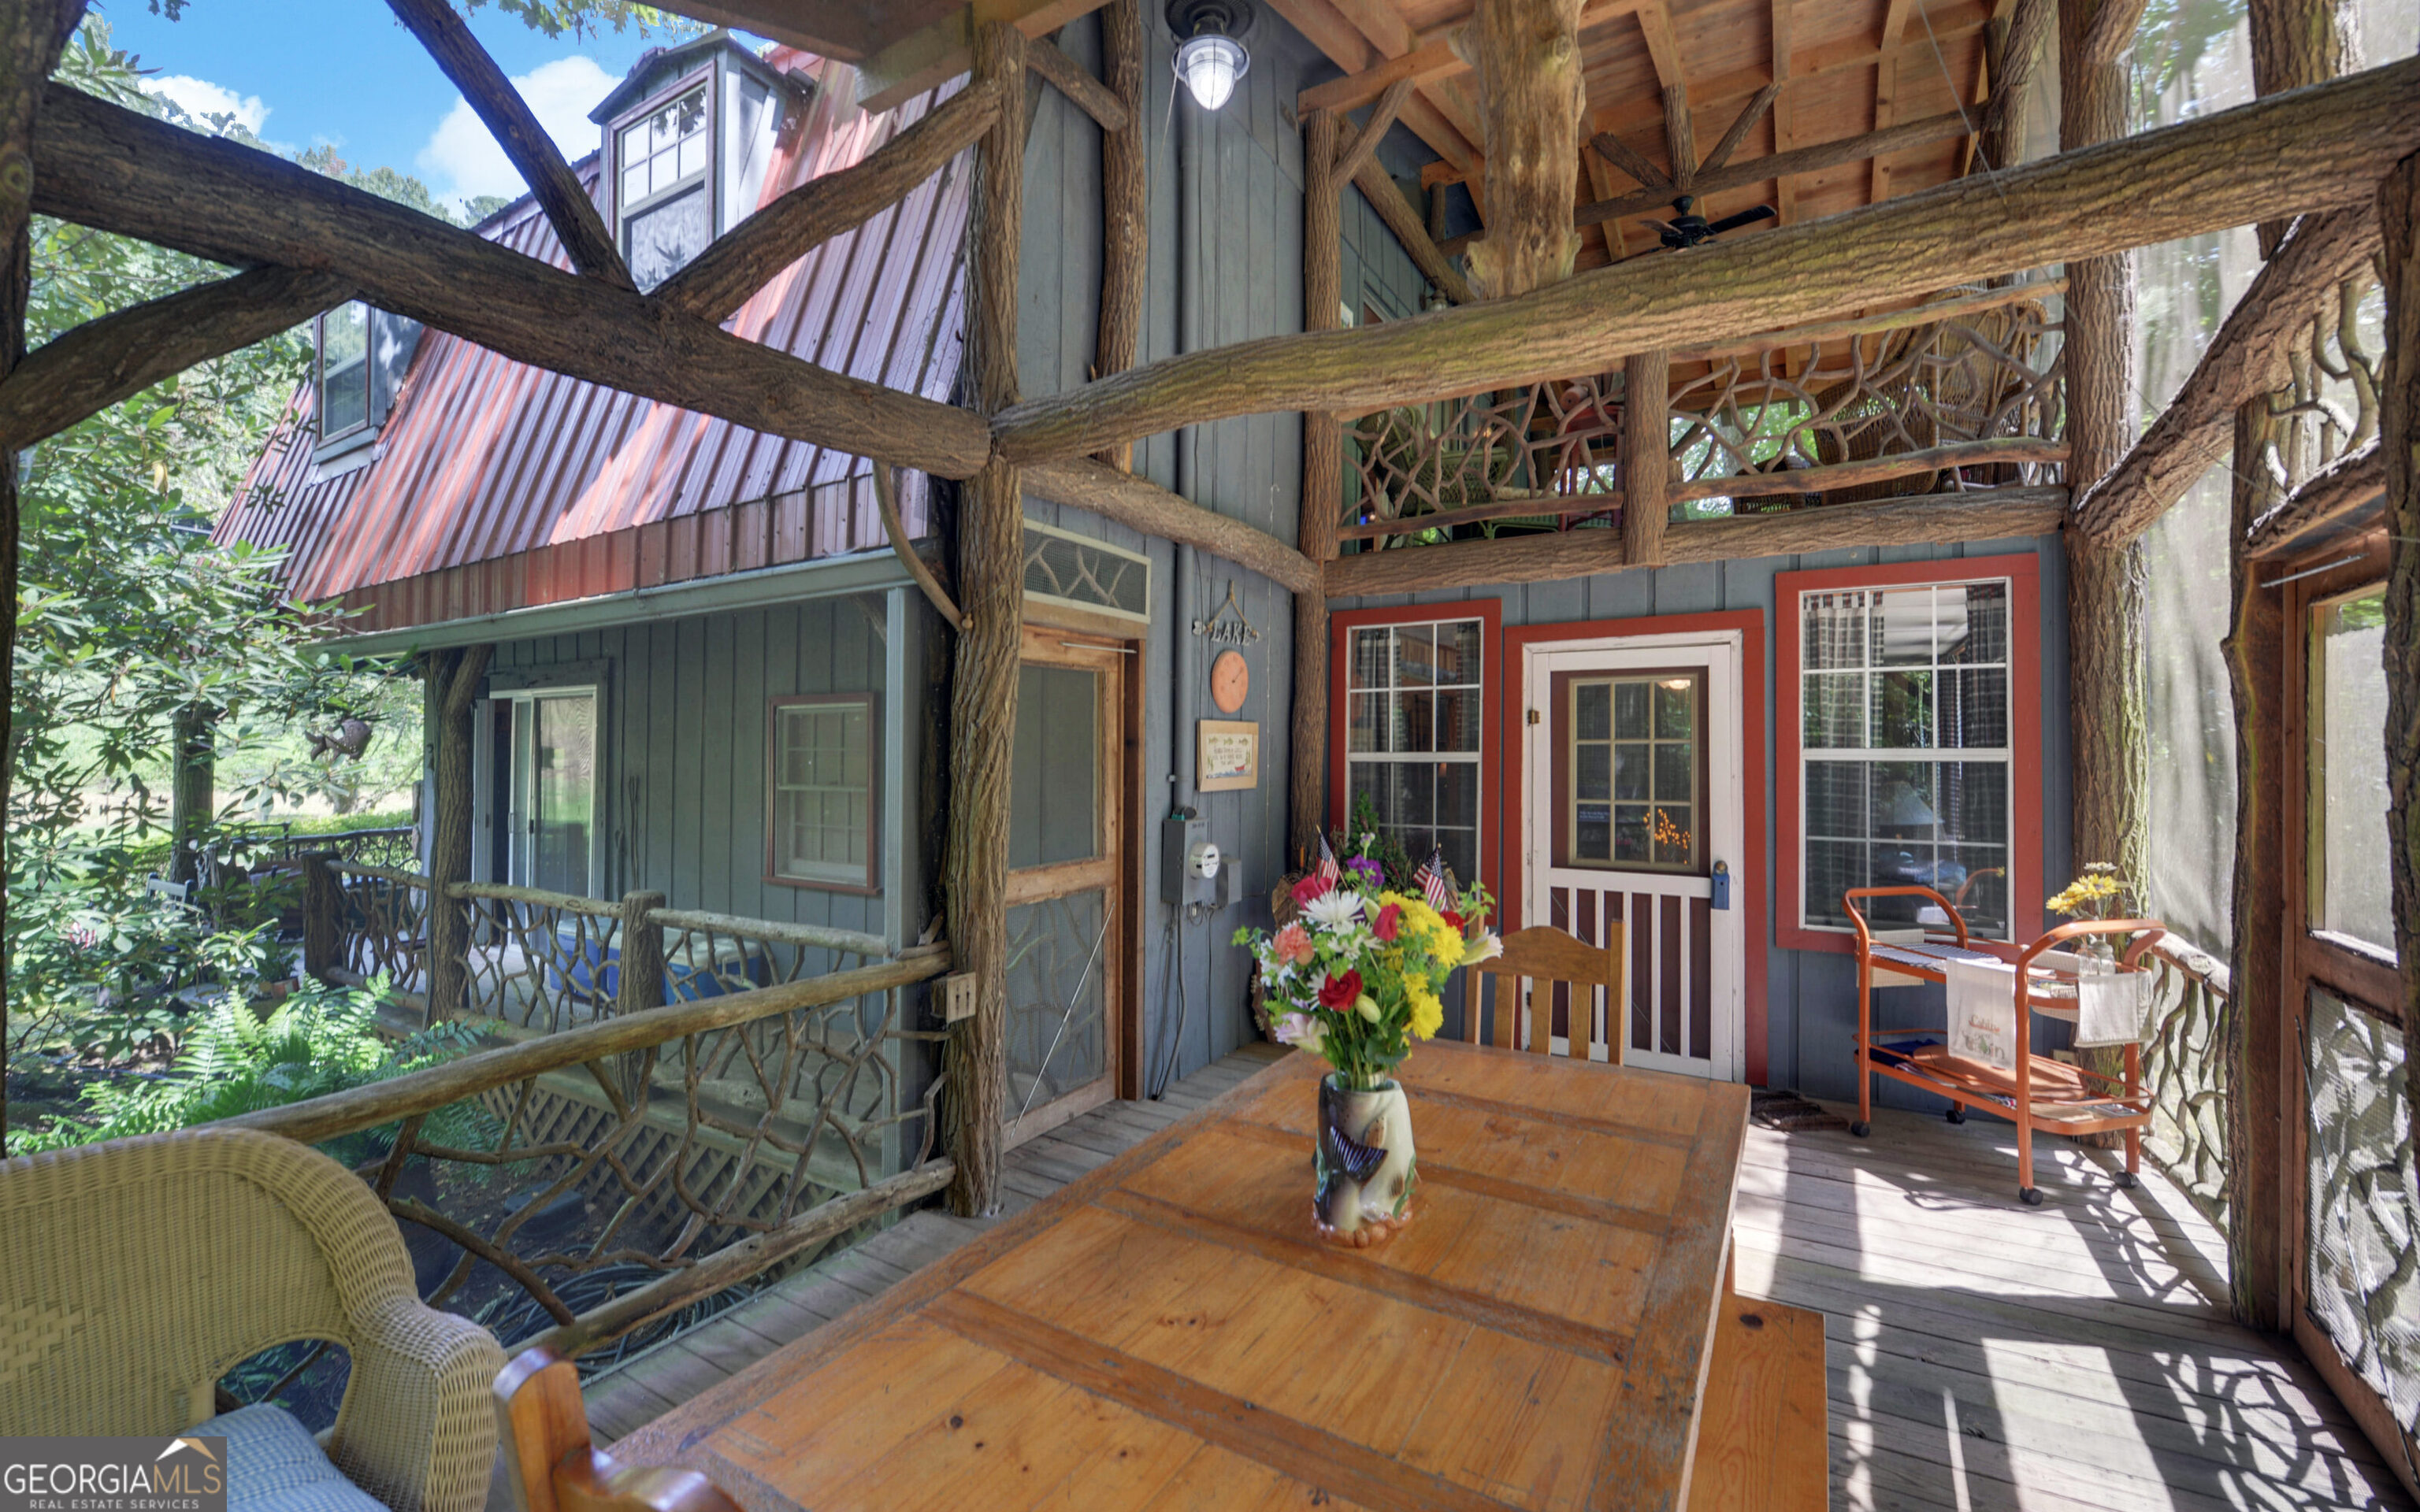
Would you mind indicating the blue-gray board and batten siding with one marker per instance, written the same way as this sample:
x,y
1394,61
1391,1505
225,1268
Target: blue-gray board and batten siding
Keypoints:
x,y
1225,265
1810,995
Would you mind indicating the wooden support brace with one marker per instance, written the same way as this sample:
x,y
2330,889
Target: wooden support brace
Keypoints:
x,y
1365,142
1646,457
1071,79
1822,154
1404,222
1614,150
886,497
1125,218
2345,487
1750,115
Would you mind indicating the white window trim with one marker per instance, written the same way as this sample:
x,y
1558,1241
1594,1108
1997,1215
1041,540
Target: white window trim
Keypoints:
x,y
1398,758
868,877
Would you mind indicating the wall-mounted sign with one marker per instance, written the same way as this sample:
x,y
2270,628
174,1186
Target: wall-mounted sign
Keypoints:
x,y
1237,631
1226,755
1230,678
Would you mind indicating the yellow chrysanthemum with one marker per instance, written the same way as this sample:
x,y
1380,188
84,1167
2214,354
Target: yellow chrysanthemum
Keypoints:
x,y
1428,1014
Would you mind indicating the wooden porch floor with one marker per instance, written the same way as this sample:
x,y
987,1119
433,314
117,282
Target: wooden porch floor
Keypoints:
x,y
1984,1356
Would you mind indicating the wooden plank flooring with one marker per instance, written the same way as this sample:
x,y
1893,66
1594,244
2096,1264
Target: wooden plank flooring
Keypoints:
x,y
1984,1356
648,1385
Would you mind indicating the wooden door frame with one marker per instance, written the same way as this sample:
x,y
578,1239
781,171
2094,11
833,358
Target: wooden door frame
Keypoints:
x,y
2306,960
1749,878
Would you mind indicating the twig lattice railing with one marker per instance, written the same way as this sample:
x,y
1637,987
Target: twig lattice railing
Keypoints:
x,y
2184,1065
1539,452
363,921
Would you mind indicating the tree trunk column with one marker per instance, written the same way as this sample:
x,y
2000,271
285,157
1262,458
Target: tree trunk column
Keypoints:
x,y
2398,210
1322,490
1646,457
1125,205
983,695
454,678
193,791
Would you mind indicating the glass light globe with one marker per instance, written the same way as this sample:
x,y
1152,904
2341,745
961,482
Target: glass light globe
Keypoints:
x,y
1210,65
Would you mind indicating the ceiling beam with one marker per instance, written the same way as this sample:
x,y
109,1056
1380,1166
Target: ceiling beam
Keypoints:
x,y
1350,158
1783,164
1345,46
1434,61
2316,147
945,49
1744,122
1785,114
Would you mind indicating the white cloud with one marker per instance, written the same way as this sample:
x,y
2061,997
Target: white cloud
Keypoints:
x,y
202,100
461,161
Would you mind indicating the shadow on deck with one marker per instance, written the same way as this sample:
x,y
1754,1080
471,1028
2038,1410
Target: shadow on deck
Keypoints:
x,y
1982,1356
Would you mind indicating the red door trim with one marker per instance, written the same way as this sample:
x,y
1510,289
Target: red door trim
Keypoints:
x,y
1514,824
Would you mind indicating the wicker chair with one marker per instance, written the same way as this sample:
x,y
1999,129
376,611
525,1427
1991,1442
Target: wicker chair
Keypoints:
x,y
134,1274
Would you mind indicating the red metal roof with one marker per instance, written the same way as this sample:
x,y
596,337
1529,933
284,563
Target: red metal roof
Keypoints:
x,y
498,485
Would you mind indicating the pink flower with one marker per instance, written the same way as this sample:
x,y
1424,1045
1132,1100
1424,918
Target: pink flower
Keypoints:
x,y
1338,992
1293,945
1311,887
1389,923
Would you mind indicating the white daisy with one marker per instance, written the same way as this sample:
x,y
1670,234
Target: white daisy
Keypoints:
x,y
1335,910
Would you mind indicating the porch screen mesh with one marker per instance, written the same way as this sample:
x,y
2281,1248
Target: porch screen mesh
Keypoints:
x,y
2364,1269
1070,569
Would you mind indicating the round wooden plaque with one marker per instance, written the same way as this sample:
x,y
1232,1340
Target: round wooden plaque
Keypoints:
x,y
1230,678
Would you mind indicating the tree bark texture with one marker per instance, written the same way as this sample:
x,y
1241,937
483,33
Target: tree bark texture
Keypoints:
x,y
453,679
2313,148
983,693
2298,42
1404,222
1126,191
1646,456
2251,355
2256,1142
31,34
1528,57
2022,50
2344,487
109,168
2108,667
1323,492
2398,212
1984,515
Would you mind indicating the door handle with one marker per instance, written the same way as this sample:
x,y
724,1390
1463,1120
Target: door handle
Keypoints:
x,y
1722,885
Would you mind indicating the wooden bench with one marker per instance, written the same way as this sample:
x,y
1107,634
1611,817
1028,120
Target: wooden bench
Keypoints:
x,y
1761,1423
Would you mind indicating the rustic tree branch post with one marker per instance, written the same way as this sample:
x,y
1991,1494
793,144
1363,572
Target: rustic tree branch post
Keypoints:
x,y
453,686
2109,671
2398,210
1125,207
31,34
2294,42
324,906
983,695
1528,57
1646,456
1323,489
192,790
639,984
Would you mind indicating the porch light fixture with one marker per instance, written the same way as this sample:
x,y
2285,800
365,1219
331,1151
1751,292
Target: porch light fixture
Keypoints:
x,y
1210,55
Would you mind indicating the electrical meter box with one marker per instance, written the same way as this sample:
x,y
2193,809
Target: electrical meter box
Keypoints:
x,y
1192,871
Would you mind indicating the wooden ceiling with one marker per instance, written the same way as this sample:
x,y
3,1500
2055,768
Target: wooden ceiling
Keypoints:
x,y
1844,68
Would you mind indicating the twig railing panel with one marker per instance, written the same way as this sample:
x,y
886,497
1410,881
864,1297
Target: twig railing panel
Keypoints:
x,y
1543,451
381,924
2184,1065
604,1176
540,959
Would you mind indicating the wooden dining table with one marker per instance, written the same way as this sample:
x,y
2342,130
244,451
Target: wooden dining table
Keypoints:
x,y
1170,1332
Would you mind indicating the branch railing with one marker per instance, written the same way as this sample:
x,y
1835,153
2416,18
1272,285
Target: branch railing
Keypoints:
x,y
1962,394
2184,1065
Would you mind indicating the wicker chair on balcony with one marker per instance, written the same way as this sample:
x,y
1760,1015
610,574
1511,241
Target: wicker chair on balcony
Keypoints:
x,y
134,1274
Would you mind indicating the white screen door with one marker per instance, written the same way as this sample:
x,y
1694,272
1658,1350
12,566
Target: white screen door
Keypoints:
x,y
1634,785
550,833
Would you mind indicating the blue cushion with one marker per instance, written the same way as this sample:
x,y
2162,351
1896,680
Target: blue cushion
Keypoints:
x,y
275,1465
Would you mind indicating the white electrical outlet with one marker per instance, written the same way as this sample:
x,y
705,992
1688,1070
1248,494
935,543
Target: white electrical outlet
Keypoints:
x,y
957,996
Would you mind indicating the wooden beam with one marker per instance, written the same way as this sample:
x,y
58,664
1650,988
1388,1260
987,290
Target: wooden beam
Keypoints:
x,y
1745,121
1322,499
1071,79
1632,161
1433,61
1993,451
1140,504
1680,138
1503,506
1663,48
508,118
1373,34
1398,217
104,166
1125,190
2324,146
886,498
2249,356
735,266
2398,214
1983,516
1785,115
1528,56
1782,164
2345,488
1958,307
983,687
1646,457
82,372
1365,142
940,52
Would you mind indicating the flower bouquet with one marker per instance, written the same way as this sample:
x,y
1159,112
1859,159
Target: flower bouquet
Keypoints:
x,y
1355,979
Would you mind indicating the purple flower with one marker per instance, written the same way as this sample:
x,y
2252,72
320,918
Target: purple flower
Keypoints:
x,y
1372,876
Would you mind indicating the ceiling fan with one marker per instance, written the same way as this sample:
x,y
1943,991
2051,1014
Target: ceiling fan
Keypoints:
x,y
1687,228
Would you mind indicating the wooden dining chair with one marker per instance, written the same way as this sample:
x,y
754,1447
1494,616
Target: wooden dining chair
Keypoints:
x,y
1544,955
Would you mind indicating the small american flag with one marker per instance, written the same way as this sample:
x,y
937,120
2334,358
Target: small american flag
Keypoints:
x,y
1431,876
1327,867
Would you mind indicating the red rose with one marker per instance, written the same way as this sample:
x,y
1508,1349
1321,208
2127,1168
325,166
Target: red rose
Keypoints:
x,y
1389,923
1311,887
1452,918
1339,993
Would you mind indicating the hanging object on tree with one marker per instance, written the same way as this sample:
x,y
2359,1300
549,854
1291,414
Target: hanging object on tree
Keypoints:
x,y
350,737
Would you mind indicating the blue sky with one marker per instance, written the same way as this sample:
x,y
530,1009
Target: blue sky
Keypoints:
x,y
304,73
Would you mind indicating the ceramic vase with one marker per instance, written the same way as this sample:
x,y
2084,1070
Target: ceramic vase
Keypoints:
x,y
1366,1166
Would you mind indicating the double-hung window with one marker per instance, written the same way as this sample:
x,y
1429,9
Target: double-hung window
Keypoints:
x,y
1414,719
820,828
690,140
666,159
1907,696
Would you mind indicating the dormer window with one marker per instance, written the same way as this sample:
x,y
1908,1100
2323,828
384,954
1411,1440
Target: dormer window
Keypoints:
x,y
362,356
689,142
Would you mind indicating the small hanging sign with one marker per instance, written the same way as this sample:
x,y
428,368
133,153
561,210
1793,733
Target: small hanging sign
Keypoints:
x,y
1238,631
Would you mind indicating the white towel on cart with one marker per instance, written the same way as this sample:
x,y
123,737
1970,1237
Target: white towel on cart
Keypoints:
x,y
1982,1011
2110,1004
